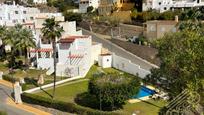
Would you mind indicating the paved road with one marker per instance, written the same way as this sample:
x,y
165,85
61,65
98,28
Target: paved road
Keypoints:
x,y
5,92
120,51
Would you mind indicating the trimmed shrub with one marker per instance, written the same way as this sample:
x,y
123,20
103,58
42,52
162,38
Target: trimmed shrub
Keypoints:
x,y
10,78
63,106
113,89
3,113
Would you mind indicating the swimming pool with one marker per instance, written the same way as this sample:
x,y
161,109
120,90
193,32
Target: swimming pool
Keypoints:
x,y
143,92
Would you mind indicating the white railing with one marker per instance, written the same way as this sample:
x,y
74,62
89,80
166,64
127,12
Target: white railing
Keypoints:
x,y
51,84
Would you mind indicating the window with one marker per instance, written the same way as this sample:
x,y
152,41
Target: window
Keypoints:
x,y
47,54
57,55
14,21
164,8
159,3
16,12
31,18
24,12
152,28
39,55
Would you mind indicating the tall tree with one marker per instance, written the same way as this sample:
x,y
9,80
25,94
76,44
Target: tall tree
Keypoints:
x,y
52,30
2,49
10,37
182,62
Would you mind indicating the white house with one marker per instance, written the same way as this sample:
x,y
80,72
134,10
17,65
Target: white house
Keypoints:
x,y
74,55
84,4
10,15
74,50
164,5
13,14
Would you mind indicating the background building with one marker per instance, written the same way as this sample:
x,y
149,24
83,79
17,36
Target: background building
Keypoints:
x,y
157,28
164,5
84,4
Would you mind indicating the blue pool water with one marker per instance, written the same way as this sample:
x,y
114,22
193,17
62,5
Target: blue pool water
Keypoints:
x,y
143,92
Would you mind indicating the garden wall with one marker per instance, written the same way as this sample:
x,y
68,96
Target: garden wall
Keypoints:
x,y
129,67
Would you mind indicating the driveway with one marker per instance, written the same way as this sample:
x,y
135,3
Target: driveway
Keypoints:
x,y
120,51
5,92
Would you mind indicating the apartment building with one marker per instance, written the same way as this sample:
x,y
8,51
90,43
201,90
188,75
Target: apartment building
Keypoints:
x,y
13,14
165,5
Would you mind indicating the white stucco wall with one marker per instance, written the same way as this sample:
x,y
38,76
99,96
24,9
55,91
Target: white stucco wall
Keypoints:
x,y
129,67
80,66
70,29
95,52
45,63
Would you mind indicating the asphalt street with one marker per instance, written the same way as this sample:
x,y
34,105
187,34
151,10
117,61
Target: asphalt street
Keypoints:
x,y
5,93
120,51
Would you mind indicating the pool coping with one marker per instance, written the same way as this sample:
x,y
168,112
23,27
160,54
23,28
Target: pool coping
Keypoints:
x,y
142,98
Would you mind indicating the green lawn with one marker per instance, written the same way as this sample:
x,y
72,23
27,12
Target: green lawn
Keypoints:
x,y
68,92
32,73
149,107
95,69
3,113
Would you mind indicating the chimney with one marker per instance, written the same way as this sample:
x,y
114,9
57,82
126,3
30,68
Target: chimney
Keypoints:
x,y
176,18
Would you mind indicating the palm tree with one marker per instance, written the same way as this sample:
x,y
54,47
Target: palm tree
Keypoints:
x,y
25,41
52,30
19,39
10,37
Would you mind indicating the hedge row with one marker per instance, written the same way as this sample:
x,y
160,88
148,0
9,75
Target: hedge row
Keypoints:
x,y
63,106
10,78
3,113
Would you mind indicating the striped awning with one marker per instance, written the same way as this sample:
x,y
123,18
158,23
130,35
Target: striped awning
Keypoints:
x,y
41,50
76,56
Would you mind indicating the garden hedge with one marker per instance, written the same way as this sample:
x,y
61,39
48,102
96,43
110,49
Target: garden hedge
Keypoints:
x,y
63,106
10,78
3,113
